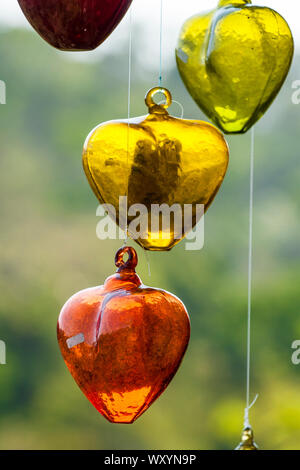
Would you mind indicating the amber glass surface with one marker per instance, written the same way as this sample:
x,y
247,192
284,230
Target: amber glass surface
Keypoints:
x,y
74,25
132,341
247,441
156,159
234,60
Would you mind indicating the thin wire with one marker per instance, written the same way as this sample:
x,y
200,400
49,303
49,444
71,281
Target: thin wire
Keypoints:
x,y
247,409
129,63
161,44
128,110
250,270
160,85
179,104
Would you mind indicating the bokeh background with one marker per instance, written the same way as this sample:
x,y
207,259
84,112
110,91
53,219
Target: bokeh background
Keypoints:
x,y
49,250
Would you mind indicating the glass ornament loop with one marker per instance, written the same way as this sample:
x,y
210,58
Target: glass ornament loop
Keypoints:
x,y
132,261
223,3
155,108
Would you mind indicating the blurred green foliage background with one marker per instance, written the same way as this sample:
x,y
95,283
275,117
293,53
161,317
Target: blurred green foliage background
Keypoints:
x,y
49,250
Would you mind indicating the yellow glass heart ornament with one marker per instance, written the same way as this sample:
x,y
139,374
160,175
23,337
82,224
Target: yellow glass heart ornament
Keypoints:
x,y
234,60
159,162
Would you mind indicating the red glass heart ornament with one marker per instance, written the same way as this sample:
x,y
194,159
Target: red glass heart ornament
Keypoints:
x,y
123,342
74,25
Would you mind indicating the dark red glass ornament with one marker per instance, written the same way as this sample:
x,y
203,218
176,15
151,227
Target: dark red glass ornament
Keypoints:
x,y
123,342
74,25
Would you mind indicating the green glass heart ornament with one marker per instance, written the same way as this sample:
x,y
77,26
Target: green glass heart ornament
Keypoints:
x,y
234,61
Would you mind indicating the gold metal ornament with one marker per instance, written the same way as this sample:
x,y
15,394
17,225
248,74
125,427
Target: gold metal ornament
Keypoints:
x,y
247,440
234,61
153,160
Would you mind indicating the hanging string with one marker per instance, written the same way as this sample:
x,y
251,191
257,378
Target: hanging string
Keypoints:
x,y
250,270
129,64
181,108
179,104
128,112
161,44
160,85
246,416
